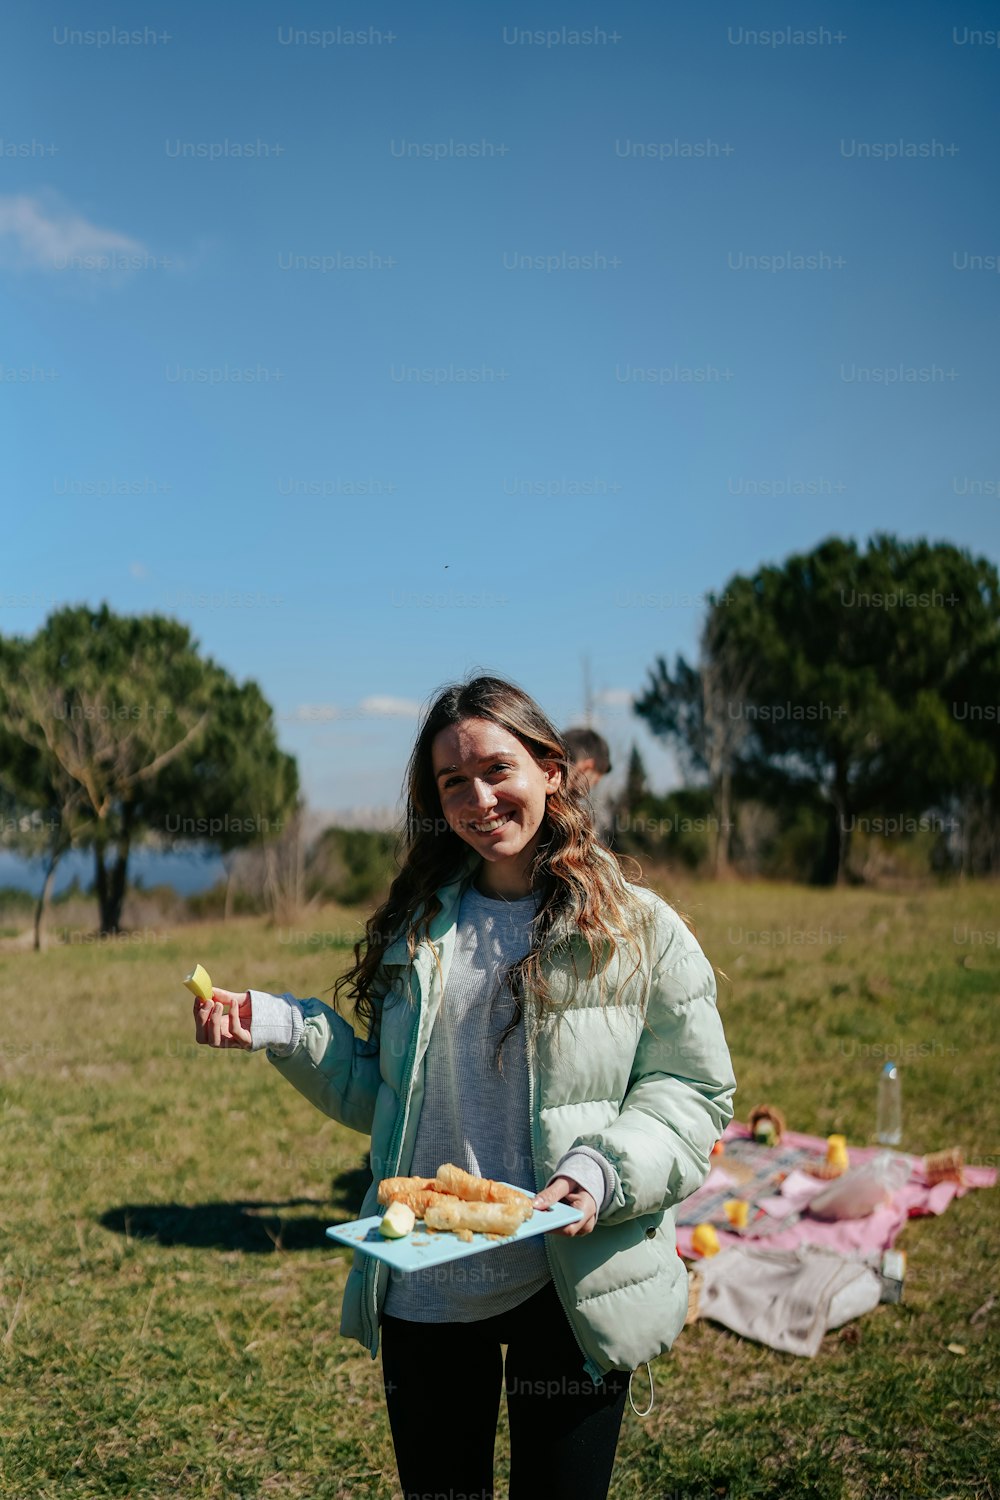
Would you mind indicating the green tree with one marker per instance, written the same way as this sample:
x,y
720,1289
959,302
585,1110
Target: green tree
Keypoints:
x,y
852,660
636,781
629,800
242,790
975,705
123,718
43,806
691,707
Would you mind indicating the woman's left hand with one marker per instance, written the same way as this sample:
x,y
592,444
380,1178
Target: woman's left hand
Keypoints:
x,y
566,1189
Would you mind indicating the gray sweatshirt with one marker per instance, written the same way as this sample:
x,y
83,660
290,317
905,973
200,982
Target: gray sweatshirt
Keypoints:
x,y
472,1115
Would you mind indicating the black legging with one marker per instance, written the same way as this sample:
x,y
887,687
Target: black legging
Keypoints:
x,y
442,1390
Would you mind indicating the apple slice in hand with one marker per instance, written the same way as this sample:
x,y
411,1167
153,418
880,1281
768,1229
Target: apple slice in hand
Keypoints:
x,y
199,984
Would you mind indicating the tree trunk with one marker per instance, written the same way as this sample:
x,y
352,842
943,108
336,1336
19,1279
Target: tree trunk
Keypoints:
x,y
845,828
284,871
42,905
111,881
111,889
270,882
229,860
965,866
100,882
300,863
118,884
721,866
845,823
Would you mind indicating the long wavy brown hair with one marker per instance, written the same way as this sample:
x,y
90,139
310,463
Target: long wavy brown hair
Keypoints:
x,y
575,877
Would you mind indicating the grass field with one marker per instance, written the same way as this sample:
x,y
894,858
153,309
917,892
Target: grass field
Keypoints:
x,y
170,1306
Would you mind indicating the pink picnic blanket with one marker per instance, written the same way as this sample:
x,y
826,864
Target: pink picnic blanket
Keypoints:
x,y
877,1231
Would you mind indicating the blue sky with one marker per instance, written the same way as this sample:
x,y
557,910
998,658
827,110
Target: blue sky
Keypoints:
x,y
353,530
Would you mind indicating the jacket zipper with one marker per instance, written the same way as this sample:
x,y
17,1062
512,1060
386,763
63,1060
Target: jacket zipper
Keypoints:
x,y
395,1150
591,1367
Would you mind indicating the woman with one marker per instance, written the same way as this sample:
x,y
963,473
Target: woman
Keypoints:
x,y
531,1016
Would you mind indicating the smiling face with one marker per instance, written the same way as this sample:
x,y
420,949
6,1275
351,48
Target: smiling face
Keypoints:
x,y
493,795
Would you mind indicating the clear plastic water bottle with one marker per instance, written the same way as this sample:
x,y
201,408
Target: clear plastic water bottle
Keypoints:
x,y
889,1121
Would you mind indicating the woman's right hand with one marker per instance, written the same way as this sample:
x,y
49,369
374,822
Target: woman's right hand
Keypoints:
x,y
224,1025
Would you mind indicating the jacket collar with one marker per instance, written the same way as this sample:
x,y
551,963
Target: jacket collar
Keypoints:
x,y
450,895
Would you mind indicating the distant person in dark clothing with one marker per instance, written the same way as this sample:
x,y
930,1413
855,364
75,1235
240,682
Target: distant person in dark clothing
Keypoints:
x,y
591,756
591,759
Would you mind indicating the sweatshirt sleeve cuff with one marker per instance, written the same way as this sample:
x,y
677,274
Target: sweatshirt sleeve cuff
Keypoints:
x,y
276,1022
592,1171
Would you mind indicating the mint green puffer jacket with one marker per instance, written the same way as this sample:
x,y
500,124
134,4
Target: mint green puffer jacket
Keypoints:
x,y
652,1098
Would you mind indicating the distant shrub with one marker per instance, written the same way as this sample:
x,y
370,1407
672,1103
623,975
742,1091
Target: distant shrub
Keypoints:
x,y
210,905
678,828
352,866
14,900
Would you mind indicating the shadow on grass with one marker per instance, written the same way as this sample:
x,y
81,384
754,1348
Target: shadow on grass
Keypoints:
x,y
252,1225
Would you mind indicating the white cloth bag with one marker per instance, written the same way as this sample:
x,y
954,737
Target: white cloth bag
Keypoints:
x,y
785,1298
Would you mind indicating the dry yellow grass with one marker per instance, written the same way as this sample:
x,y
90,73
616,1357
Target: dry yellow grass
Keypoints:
x,y
169,1307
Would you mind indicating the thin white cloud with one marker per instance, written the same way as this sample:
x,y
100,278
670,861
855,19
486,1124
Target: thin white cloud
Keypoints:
x,y
138,570
313,713
39,236
404,708
376,707
616,696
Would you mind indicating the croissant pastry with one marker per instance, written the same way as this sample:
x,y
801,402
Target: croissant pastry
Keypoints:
x,y
458,1201
477,1189
417,1193
458,1214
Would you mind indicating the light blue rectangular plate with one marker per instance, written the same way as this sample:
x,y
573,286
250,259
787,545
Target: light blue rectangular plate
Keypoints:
x,y
419,1249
